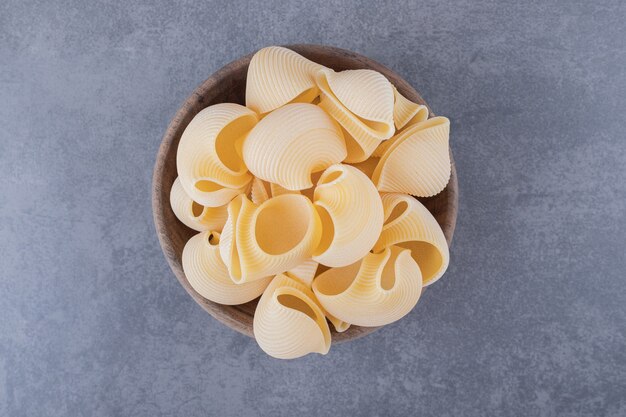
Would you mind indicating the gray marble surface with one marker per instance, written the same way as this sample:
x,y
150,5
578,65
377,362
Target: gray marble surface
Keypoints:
x,y
530,319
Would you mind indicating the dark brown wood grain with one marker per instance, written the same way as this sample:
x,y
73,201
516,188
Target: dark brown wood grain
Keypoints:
x,y
228,85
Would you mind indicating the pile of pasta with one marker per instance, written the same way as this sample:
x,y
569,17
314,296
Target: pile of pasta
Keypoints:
x,y
304,197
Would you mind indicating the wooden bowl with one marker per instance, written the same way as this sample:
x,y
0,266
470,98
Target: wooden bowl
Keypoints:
x,y
229,85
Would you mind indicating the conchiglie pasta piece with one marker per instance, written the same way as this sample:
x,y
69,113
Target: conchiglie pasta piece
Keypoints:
x,y
268,239
277,76
208,159
194,215
288,322
259,191
291,143
410,225
418,160
305,272
405,112
366,93
208,275
378,290
351,213
362,102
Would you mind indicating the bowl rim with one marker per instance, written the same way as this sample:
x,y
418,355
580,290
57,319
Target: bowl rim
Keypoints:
x,y
233,316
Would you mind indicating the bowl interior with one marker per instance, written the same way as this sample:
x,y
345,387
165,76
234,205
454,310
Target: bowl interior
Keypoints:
x,y
228,85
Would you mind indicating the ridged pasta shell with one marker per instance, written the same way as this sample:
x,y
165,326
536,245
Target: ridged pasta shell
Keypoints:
x,y
194,215
351,213
410,225
417,162
366,93
268,239
288,322
378,290
362,102
405,112
305,272
208,275
291,143
259,191
277,76
208,159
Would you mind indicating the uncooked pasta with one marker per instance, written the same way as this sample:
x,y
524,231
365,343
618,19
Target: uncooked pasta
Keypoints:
x,y
306,198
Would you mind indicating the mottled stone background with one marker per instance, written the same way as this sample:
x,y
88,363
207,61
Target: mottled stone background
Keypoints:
x,y
530,319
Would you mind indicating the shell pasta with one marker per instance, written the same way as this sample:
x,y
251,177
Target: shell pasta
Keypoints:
x,y
351,212
378,290
194,215
209,164
416,161
409,224
289,322
362,101
208,275
277,76
291,143
306,198
268,239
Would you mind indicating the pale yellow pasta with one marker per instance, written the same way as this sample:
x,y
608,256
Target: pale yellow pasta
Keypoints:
x,y
208,159
259,191
274,237
208,275
351,213
362,102
418,160
291,143
378,290
405,112
410,225
277,76
288,321
194,215
305,272
366,93
305,198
